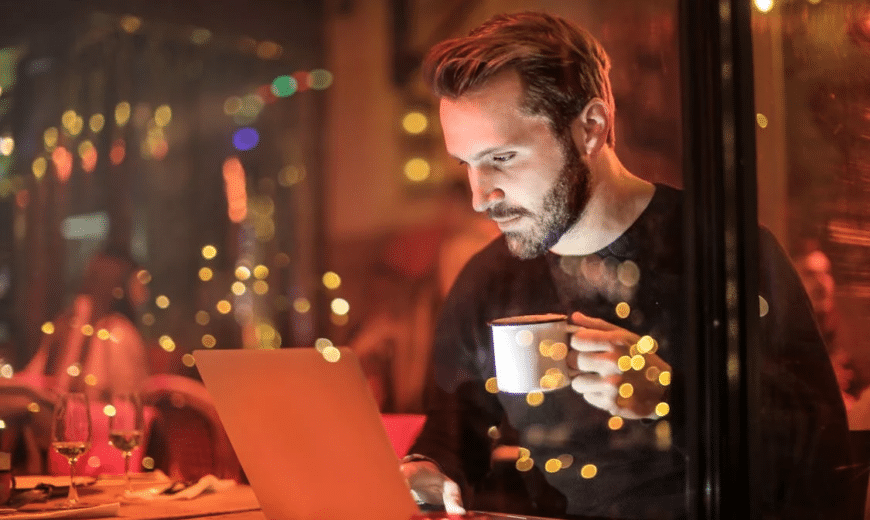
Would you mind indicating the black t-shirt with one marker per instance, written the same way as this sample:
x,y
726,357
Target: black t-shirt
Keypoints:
x,y
635,469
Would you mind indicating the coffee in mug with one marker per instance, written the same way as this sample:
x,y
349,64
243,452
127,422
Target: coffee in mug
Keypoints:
x,y
530,352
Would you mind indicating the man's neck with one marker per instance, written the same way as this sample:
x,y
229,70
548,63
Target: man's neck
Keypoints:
x,y
616,200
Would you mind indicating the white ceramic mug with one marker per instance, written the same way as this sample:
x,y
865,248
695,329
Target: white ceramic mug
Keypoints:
x,y
530,352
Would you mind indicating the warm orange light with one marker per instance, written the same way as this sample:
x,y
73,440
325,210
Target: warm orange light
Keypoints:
x,y
62,163
236,192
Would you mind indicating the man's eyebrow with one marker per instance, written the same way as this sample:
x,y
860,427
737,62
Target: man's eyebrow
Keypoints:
x,y
483,153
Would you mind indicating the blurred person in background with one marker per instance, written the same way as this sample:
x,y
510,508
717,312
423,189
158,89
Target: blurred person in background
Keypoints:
x,y
814,268
94,345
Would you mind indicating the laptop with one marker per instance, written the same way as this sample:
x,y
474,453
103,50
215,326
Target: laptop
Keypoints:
x,y
307,432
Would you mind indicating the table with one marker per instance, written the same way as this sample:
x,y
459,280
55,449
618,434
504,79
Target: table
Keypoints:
x,y
236,503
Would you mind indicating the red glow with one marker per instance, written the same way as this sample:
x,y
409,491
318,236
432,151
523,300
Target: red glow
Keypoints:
x,y
234,186
265,92
301,78
22,198
89,161
118,152
160,149
62,163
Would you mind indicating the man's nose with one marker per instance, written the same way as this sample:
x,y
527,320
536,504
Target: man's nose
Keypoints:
x,y
484,192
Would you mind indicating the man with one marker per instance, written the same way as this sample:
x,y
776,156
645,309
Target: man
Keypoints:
x,y
526,107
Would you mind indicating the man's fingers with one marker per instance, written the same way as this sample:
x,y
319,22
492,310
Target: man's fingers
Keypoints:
x,y
590,343
592,383
601,364
452,499
578,318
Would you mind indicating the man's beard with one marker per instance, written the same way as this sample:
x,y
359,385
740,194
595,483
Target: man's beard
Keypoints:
x,y
561,208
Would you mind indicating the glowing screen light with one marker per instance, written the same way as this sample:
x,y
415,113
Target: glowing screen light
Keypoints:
x,y
245,139
284,86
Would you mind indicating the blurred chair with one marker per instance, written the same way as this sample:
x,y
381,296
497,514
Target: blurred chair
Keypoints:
x,y
187,439
25,431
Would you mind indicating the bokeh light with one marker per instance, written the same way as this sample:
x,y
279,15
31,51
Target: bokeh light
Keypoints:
x,y
39,166
224,307
200,36
131,24
269,50
235,190
322,343
301,305
340,306
415,122
261,272
246,139
96,123
623,309
7,144
162,301
331,280
320,79
118,152
209,252
417,169
163,115
615,422
188,360
50,137
764,5
232,105
208,341
535,398
284,86
553,465
62,160
589,471
122,113
290,175
205,274
665,378
331,354
166,343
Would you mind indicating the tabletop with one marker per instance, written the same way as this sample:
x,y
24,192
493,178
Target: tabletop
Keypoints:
x,y
235,502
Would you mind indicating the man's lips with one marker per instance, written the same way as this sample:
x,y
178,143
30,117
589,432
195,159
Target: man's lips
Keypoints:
x,y
506,221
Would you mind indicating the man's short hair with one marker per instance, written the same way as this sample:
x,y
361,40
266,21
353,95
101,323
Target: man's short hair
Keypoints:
x,y
562,66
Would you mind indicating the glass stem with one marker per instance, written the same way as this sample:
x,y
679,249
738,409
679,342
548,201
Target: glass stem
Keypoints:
x,y
127,470
73,495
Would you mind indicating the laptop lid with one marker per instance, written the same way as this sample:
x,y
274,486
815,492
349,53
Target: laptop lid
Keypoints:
x,y
307,432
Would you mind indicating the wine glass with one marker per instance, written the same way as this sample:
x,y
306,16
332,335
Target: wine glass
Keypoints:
x,y
71,435
126,423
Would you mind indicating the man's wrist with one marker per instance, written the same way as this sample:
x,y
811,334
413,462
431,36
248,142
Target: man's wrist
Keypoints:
x,y
416,457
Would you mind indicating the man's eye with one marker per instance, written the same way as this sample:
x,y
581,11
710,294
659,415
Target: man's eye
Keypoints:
x,y
503,158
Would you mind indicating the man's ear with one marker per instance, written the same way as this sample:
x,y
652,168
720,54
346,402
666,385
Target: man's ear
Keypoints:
x,y
592,126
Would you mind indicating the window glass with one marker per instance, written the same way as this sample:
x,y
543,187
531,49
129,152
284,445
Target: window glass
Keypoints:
x,y
811,63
